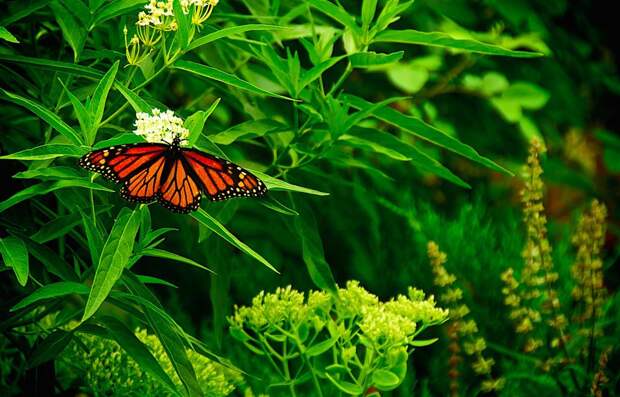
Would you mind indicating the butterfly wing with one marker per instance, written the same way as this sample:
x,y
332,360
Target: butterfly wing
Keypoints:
x,y
220,179
179,191
120,163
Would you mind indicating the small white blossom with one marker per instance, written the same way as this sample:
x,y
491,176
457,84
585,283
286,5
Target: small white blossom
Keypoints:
x,y
160,126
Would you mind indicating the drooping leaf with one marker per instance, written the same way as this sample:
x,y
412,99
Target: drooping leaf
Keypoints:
x,y
47,152
7,36
47,187
50,347
53,290
168,333
312,248
138,351
15,255
47,115
214,225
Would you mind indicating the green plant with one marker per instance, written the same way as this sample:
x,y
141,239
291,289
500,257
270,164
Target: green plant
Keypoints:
x,y
342,109
351,339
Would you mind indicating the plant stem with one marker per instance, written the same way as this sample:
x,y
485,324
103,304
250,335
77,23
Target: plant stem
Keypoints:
x,y
287,373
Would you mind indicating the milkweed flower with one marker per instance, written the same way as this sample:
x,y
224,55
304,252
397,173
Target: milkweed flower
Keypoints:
x,y
160,126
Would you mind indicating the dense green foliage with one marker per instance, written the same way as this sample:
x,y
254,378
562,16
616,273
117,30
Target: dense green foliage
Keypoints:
x,y
378,127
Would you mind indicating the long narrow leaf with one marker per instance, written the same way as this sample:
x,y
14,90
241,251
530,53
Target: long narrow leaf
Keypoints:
x,y
425,131
214,225
45,114
443,40
226,78
114,257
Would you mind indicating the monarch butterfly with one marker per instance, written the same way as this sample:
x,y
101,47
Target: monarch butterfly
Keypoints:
x,y
172,175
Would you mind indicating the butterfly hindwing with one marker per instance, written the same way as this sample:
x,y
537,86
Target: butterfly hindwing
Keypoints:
x,y
179,191
220,179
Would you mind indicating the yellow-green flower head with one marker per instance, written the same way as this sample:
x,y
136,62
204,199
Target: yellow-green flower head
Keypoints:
x,y
424,311
160,126
383,326
354,298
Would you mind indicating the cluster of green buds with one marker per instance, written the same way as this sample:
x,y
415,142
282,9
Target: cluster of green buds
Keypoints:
x,y
349,338
106,369
159,18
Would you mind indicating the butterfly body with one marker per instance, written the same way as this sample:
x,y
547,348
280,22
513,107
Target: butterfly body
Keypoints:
x,y
172,175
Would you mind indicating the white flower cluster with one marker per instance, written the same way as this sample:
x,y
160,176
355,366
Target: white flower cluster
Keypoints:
x,y
198,3
160,126
158,14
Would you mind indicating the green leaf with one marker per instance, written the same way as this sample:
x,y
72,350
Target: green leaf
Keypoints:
x,y
99,99
278,184
337,13
51,260
114,9
315,72
371,58
248,129
388,144
50,347
58,226
369,7
53,290
7,36
47,187
385,380
528,95
196,122
159,253
425,131
138,104
49,173
312,247
114,257
443,40
214,225
51,118
15,255
56,66
138,351
21,10
121,139
423,342
320,347
277,206
407,77
73,33
155,280
94,237
47,152
216,74
80,111
183,32
230,31
345,387
168,332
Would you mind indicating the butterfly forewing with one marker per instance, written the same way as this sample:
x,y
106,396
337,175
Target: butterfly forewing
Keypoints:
x,y
117,163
